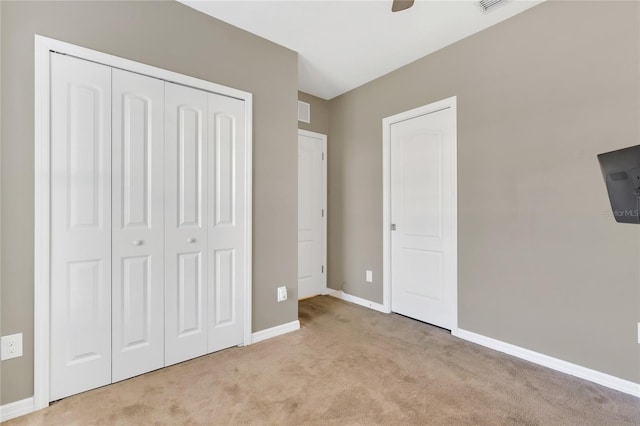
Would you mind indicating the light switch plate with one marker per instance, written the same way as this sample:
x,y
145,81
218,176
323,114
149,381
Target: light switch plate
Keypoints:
x,y
11,346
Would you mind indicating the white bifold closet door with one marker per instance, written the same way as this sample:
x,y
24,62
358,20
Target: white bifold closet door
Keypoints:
x,y
185,223
204,222
148,225
138,224
80,226
227,233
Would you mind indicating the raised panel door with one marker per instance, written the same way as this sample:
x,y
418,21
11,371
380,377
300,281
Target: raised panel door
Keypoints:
x,y
138,224
311,275
422,156
80,226
226,256
186,202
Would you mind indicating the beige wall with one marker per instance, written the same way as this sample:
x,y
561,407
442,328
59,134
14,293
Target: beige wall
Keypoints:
x,y
175,37
319,114
541,263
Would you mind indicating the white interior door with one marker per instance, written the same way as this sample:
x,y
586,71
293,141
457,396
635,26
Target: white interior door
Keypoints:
x,y
80,226
311,214
423,213
227,186
138,224
185,223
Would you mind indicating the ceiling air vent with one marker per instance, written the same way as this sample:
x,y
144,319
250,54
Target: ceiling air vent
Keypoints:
x,y
304,112
488,5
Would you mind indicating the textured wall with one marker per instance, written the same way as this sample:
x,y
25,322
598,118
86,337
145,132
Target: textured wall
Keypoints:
x,y
171,36
542,264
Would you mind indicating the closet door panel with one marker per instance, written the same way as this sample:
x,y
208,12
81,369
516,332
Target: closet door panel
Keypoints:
x,y
138,224
80,226
226,231
185,223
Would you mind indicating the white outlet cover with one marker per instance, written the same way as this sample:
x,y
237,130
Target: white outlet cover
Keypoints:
x,y
11,346
282,294
369,276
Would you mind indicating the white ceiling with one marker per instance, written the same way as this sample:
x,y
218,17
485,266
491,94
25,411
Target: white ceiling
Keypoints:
x,y
344,44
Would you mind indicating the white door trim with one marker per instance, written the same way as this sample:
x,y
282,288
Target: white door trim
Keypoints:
x,y
323,139
386,196
43,46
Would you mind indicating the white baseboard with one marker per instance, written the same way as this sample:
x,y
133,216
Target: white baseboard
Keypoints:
x,y
275,331
358,300
585,373
16,409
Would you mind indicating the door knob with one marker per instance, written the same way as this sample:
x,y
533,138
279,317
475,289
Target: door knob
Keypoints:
x,y
191,240
137,242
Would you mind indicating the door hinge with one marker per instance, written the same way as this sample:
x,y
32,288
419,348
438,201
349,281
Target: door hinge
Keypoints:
x,y
322,213
323,155
393,226
323,269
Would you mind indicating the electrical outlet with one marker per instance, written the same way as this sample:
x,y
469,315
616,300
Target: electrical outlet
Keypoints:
x,y
369,276
282,294
11,346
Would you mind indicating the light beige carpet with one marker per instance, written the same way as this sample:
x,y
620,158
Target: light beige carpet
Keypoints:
x,y
350,365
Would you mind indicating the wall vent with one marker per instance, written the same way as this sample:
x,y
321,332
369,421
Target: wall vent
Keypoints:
x,y
487,5
304,112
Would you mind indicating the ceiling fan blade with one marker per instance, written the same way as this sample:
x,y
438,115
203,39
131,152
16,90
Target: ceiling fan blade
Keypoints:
x,y
399,5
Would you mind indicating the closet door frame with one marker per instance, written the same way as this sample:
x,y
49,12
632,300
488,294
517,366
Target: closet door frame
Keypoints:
x,y
44,47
